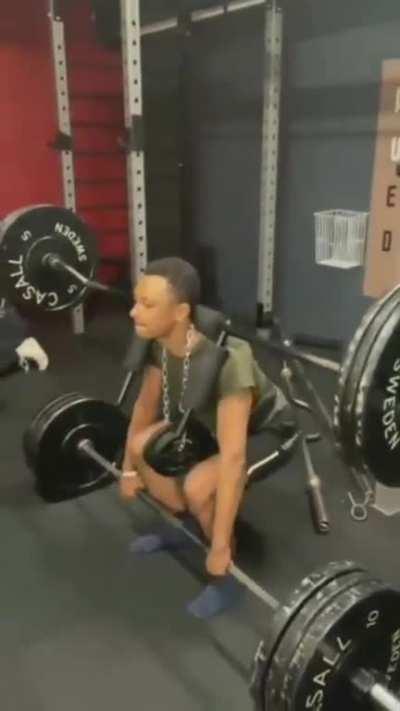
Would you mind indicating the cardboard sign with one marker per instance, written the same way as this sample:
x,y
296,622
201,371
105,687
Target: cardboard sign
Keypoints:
x,y
382,271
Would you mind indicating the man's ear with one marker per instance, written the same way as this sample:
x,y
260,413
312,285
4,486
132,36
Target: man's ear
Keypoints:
x,y
183,312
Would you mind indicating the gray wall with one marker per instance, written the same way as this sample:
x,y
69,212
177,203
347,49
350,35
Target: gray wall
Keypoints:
x,y
227,64
333,64
209,210
160,58
334,54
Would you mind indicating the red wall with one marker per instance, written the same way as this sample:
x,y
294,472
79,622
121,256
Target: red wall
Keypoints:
x,y
96,104
31,170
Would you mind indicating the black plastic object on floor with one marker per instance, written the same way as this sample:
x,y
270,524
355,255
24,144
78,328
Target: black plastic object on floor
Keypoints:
x,y
13,330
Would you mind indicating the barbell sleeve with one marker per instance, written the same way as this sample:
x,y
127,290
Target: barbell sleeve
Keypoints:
x,y
314,487
366,684
86,448
314,490
384,698
55,262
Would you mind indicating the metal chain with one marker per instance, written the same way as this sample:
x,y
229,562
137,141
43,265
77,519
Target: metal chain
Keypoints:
x,y
166,401
185,376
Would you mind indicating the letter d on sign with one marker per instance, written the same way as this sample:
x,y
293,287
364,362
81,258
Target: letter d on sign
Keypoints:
x,y
387,241
397,103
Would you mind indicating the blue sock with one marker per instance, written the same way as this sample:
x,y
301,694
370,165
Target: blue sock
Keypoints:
x,y
165,538
217,597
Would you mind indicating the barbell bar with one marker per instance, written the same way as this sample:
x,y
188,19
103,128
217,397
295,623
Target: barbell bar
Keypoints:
x,y
285,349
336,638
85,447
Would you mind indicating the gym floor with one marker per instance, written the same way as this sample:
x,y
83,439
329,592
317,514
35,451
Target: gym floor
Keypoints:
x,y
83,624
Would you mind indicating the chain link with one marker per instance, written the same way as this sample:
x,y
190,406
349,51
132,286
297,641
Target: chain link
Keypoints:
x,y
185,376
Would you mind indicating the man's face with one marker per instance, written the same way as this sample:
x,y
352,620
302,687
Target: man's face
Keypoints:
x,y
156,311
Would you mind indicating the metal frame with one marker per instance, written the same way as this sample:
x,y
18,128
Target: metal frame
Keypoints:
x,y
270,129
172,23
270,155
133,106
131,33
64,127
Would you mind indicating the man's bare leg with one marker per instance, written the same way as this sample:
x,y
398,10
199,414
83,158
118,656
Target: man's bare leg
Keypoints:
x,y
167,491
200,490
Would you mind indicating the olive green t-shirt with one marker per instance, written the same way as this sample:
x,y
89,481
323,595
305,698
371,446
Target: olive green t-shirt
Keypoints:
x,y
240,371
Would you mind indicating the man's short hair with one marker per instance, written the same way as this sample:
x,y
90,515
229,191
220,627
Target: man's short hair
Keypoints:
x,y
183,278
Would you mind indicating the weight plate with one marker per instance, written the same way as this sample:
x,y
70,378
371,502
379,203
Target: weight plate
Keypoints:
x,y
360,362
48,414
32,435
377,411
276,680
61,472
342,402
352,349
360,629
284,617
357,459
26,237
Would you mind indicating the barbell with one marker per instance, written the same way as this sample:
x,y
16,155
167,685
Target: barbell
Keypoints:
x,y
336,639
48,257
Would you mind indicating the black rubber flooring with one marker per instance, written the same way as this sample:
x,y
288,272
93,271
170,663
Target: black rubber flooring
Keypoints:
x,y
84,625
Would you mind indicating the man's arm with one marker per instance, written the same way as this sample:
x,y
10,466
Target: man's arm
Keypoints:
x,y
233,417
145,410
